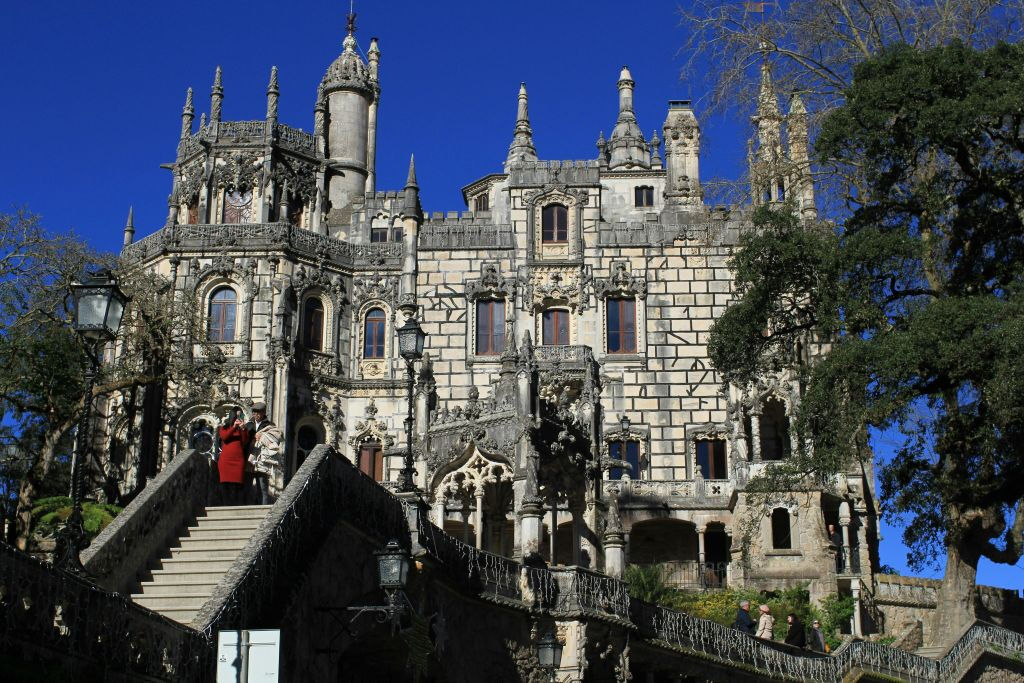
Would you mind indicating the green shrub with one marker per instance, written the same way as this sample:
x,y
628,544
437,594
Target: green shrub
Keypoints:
x,y
647,583
49,514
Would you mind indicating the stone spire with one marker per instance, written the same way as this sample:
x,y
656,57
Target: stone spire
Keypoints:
x,y
188,115
129,227
410,180
522,148
272,94
373,58
796,133
767,182
655,144
216,96
602,151
412,188
627,144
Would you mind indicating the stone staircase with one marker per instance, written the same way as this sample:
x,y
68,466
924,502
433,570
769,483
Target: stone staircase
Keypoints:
x,y
931,652
185,580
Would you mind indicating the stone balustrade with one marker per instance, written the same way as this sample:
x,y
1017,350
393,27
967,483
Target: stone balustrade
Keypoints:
x,y
671,491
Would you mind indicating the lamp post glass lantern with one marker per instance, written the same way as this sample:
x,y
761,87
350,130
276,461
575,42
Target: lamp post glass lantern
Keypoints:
x,y
549,652
411,338
98,307
392,566
624,424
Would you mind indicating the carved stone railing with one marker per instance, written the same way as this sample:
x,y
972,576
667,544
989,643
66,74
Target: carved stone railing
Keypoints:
x,y
696,575
980,636
241,130
565,356
325,489
906,591
81,627
559,172
678,491
583,590
647,233
247,132
200,239
296,139
465,236
122,551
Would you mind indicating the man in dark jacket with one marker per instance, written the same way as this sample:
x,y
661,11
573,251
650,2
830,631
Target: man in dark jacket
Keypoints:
x,y
795,636
817,637
744,623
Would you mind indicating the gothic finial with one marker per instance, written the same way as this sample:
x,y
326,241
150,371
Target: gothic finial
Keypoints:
x,y
796,105
272,86
188,114
350,27
522,148
216,96
272,94
129,227
188,108
410,181
202,120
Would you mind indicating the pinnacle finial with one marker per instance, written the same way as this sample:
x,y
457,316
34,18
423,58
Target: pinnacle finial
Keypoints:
x,y
522,148
129,227
411,180
272,86
216,96
350,19
218,77
131,218
188,108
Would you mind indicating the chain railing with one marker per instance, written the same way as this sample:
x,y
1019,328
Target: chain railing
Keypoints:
x,y
47,610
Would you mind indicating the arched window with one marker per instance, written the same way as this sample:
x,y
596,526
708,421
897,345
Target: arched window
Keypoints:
x,y
371,460
295,209
237,207
555,324
306,439
193,211
313,324
223,305
490,326
554,223
628,451
774,430
482,203
782,537
643,195
621,325
373,334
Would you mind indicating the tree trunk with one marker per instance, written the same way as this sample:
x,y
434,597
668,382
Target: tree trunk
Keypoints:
x,y
33,480
956,597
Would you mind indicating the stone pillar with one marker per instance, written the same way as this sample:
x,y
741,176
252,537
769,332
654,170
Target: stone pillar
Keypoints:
x,y
755,436
530,534
577,534
700,543
844,522
615,554
437,512
465,523
479,518
553,531
855,589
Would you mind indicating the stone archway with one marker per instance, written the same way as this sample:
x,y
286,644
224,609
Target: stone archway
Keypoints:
x,y
478,495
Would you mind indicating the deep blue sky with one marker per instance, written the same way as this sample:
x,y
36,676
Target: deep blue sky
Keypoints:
x,y
93,95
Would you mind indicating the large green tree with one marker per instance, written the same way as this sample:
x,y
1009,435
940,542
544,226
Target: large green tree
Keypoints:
x,y
920,294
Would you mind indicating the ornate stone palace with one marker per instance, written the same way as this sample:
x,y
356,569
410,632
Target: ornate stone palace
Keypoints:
x,y
566,403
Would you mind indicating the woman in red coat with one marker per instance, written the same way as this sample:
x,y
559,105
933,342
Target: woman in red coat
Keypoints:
x,y
231,464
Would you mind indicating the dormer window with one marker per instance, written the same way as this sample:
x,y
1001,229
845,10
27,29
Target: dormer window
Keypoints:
x,y
554,224
482,203
643,195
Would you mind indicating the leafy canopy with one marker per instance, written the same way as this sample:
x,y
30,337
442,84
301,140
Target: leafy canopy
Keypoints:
x,y
918,295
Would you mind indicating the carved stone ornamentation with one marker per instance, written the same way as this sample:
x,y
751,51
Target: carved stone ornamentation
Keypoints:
x,y
375,288
371,430
543,286
300,177
239,172
491,284
621,282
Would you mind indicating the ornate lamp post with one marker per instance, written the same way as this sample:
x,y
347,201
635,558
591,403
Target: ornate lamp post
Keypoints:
x,y
393,574
98,307
549,653
410,345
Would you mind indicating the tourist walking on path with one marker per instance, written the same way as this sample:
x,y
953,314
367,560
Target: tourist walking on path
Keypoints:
x,y
795,636
765,624
231,463
817,637
743,623
265,454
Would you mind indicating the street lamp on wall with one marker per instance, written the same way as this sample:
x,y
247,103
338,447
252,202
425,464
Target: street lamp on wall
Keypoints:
x,y
98,307
549,653
411,339
393,575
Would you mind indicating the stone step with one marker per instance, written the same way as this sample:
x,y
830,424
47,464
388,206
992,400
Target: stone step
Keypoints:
x,y
235,543
221,531
180,615
157,603
203,554
931,652
176,587
179,565
185,576
228,522
237,511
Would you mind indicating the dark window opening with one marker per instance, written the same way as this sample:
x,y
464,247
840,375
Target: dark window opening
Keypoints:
x,y
222,315
396,234
313,324
305,441
193,212
379,234
621,325
490,326
556,327
628,451
711,460
373,334
781,187
371,460
295,208
774,430
554,223
782,538
643,195
482,203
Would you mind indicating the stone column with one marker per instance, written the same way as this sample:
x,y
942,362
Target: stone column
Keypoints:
x,y
844,522
755,436
855,589
700,543
615,554
530,534
438,512
465,523
479,518
553,531
577,534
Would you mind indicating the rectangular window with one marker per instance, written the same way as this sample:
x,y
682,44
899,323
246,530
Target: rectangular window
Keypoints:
x,y
481,203
396,234
554,223
379,234
643,196
621,325
711,460
490,327
631,454
556,327
371,461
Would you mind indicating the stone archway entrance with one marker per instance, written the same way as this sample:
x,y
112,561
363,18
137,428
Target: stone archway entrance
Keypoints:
x,y
475,501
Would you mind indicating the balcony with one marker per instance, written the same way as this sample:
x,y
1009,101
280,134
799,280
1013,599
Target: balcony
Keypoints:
x,y
674,493
696,576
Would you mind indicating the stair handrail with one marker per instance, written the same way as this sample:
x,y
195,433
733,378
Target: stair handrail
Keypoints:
x,y
327,488
146,526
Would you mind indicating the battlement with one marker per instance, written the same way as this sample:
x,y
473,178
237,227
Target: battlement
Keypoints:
x,y
571,172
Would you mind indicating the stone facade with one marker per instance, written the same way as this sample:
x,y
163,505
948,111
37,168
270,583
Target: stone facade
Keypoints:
x,y
566,405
